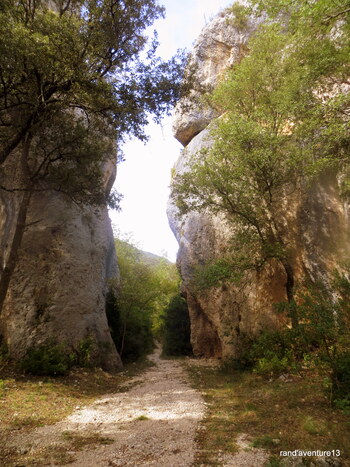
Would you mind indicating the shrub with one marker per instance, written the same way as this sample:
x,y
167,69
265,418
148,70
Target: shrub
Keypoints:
x,y
146,283
325,313
240,20
49,359
273,365
215,273
84,352
177,331
340,378
322,339
135,339
272,353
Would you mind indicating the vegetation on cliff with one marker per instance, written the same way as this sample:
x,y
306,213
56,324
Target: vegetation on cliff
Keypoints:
x,y
284,124
75,76
285,121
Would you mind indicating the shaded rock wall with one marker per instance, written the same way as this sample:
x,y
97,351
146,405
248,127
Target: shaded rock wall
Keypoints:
x,y
57,291
318,224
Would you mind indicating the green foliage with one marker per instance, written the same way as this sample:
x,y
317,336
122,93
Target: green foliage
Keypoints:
x,y
71,83
313,426
48,359
277,134
273,462
82,55
273,365
214,273
341,379
76,77
272,353
142,418
177,332
263,442
56,358
146,283
131,332
84,352
325,313
2,387
240,12
321,341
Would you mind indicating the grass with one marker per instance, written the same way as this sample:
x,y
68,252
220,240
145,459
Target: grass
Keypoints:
x,y
27,402
61,453
278,416
142,417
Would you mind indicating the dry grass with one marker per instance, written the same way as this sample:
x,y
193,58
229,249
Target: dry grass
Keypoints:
x,y
61,453
27,402
277,415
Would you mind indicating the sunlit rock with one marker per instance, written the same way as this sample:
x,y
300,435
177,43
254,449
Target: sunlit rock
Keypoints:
x,y
318,225
57,292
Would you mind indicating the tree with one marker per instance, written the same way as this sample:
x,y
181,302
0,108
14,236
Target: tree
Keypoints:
x,y
177,329
146,284
80,54
75,75
276,134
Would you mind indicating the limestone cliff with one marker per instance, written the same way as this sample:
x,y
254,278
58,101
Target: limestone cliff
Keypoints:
x,y
57,292
319,223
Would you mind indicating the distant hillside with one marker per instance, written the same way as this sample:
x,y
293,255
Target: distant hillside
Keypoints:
x,y
152,258
145,256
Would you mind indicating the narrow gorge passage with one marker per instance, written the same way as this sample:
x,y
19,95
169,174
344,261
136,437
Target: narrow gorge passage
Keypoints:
x,y
151,424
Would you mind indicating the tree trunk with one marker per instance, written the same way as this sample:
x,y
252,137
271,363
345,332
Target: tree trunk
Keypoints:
x,y
290,293
123,341
11,262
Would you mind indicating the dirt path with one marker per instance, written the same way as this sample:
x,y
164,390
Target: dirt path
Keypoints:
x,y
152,424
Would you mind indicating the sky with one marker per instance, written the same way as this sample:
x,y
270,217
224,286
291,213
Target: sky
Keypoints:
x,y
144,177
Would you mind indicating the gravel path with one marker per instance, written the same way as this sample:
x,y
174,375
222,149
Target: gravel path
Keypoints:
x,y
170,409
151,424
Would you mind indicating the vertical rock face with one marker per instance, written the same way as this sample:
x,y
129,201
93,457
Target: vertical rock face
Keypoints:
x,y
219,46
318,225
57,292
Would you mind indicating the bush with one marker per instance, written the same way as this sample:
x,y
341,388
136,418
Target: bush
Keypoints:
x,y
51,359
322,339
135,339
131,333
325,314
273,365
84,352
177,330
272,353
55,359
341,379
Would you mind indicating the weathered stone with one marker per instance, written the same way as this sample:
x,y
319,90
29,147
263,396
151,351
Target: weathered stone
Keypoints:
x,y
57,291
317,222
219,45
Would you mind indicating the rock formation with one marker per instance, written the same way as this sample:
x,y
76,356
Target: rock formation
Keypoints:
x,y
57,292
319,233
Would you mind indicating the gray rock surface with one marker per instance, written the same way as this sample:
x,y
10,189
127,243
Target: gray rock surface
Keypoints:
x,y
58,289
218,47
